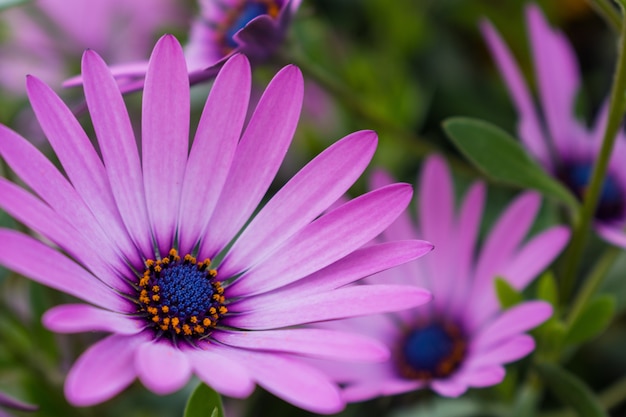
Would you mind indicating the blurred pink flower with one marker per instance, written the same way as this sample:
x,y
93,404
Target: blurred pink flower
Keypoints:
x,y
552,133
462,338
48,36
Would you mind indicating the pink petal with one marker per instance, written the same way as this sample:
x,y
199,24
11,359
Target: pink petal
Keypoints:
x,y
360,263
302,199
466,232
613,234
119,148
225,375
535,256
165,136
40,175
330,344
38,216
509,350
372,389
512,322
557,75
484,377
326,240
344,302
76,318
451,387
504,238
402,228
213,149
258,156
103,371
529,126
161,367
79,159
43,264
436,212
292,380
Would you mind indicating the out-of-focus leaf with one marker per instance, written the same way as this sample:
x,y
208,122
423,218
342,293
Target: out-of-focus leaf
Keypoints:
x,y
547,289
592,321
507,295
502,158
204,402
571,390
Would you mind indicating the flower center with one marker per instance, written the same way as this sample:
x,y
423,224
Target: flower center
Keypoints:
x,y
241,15
180,297
611,205
433,350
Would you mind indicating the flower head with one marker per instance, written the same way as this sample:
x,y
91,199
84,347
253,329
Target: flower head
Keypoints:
x,y
553,135
462,338
253,27
120,30
165,250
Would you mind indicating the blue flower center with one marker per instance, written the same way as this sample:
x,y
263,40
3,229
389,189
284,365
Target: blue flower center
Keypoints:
x,y
180,297
243,14
611,205
434,350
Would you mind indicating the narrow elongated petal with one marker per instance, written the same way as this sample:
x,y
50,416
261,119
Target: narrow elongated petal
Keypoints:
x,y
292,380
103,371
360,263
436,212
162,367
38,216
212,365
302,199
165,137
119,148
76,318
326,240
341,303
513,321
213,149
529,125
43,264
484,377
79,159
40,175
508,351
320,343
557,83
258,156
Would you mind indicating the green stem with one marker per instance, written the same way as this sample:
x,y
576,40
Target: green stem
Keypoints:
x,y
591,284
581,227
401,135
607,10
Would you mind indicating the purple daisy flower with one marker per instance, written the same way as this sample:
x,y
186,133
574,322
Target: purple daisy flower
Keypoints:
x,y
462,338
167,253
253,27
560,142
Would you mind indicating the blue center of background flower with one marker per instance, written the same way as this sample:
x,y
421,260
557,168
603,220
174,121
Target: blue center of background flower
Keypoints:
x,y
179,296
434,350
611,205
249,11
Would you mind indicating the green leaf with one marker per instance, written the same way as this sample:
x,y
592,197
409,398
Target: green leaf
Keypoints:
x,y
571,390
593,320
507,295
502,158
204,402
547,289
